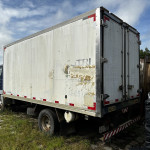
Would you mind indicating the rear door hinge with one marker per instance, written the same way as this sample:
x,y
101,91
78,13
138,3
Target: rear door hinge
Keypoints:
x,y
104,60
104,24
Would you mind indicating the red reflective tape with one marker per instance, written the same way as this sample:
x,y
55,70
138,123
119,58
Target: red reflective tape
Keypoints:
x,y
94,17
106,102
71,104
17,95
116,100
44,99
93,108
11,94
25,96
106,18
56,101
34,97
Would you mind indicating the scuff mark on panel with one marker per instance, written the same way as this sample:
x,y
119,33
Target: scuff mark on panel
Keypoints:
x,y
51,74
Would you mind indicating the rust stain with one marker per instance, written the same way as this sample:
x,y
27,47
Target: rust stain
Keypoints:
x,y
87,78
66,69
91,93
84,74
93,83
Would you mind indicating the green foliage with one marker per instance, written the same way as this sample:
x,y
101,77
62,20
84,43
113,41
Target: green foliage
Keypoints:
x,y
144,53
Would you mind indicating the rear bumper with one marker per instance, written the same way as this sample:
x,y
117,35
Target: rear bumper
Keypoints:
x,y
118,106
120,128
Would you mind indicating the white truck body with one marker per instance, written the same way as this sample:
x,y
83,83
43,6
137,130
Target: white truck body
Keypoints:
x,y
76,64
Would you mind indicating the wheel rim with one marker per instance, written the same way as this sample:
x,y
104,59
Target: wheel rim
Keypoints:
x,y
46,123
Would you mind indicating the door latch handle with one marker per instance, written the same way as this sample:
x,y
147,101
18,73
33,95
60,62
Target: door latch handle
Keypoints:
x,y
120,87
130,87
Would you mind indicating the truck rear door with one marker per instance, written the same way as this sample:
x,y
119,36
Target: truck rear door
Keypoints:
x,y
121,65
113,67
132,64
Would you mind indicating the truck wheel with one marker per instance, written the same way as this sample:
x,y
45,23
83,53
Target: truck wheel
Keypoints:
x,y
47,122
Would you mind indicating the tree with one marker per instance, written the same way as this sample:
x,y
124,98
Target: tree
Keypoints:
x,y
144,53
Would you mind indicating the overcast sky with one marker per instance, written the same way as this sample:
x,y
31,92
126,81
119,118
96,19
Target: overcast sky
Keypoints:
x,y
20,18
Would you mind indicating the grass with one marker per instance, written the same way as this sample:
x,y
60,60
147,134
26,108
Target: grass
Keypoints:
x,y
19,132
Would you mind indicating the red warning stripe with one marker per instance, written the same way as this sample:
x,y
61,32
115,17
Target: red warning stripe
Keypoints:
x,y
71,104
119,129
92,108
94,17
56,101
44,99
106,102
106,18
17,95
25,96
34,97
116,100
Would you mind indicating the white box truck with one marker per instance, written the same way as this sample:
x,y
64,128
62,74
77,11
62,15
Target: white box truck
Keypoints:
x,y
86,66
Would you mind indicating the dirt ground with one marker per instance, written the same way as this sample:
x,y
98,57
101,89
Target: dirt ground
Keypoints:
x,y
131,138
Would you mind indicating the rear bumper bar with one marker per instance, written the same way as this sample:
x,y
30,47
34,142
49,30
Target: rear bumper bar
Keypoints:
x,y
120,128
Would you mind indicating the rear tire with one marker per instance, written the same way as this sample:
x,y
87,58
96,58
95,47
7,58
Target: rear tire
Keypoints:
x,y
47,122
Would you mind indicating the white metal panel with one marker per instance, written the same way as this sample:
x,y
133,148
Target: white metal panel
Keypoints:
x,y
112,70
133,64
58,65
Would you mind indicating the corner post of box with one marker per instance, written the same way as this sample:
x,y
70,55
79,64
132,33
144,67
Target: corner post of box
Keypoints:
x,y
98,65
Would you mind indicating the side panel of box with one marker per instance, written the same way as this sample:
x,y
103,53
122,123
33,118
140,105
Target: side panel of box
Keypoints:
x,y
57,66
